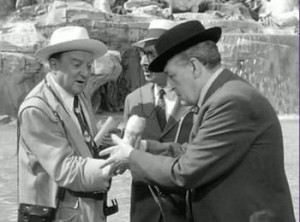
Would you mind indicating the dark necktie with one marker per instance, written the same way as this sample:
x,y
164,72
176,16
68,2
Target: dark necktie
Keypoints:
x,y
84,126
161,109
108,210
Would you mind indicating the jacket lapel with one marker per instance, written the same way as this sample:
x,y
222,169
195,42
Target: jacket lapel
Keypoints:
x,y
78,143
147,98
177,113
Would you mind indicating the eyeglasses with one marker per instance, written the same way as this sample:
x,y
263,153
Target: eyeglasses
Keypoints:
x,y
148,53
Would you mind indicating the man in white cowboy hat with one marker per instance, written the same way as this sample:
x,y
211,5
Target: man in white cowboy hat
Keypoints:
x,y
58,177
150,203
234,160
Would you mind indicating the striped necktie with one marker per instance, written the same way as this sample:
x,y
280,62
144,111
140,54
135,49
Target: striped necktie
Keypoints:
x,y
161,109
84,127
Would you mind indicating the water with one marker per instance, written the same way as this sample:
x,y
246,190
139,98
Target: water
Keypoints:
x,y
121,184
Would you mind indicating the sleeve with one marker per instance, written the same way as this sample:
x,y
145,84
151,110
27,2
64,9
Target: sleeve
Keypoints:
x,y
222,141
45,139
165,149
126,110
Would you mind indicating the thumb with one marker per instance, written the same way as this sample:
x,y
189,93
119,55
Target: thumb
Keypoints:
x,y
116,139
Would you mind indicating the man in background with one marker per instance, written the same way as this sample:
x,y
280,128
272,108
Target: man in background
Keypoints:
x,y
166,121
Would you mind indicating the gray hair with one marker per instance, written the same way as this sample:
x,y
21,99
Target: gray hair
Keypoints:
x,y
206,52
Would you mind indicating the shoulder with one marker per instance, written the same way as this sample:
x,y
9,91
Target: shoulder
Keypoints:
x,y
143,90
36,104
242,98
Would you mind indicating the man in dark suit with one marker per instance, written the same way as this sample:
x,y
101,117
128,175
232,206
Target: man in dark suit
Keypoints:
x,y
150,203
234,160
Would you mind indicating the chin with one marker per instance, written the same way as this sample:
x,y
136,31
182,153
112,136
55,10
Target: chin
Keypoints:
x,y
186,102
149,78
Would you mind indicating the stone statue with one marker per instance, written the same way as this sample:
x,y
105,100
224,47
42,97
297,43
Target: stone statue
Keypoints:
x,y
104,5
279,13
23,3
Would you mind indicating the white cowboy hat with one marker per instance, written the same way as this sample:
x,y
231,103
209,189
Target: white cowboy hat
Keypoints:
x,y
71,38
156,28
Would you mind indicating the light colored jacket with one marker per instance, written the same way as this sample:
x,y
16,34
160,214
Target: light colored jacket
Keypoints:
x,y
52,154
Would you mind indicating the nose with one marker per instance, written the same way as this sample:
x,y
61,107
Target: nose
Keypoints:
x,y
85,70
144,60
170,83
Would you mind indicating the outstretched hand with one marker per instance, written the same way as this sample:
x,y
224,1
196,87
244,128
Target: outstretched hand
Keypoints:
x,y
119,154
106,138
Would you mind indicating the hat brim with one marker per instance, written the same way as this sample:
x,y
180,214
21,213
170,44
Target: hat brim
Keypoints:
x,y
159,63
142,43
95,47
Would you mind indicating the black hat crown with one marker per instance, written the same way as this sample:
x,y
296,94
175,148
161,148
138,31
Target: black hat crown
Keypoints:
x,y
180,38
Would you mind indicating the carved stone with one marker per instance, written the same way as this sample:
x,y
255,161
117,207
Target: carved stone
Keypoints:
x,y
270,62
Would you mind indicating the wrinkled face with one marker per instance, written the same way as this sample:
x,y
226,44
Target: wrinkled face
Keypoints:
x,y
73,70
147,55
182,80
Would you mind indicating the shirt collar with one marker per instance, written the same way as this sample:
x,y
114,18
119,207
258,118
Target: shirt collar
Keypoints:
x,y
68,99
169,93
208,84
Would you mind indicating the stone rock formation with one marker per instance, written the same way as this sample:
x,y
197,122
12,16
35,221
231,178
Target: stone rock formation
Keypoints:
x,y
107,68
270,62
279,13
104,5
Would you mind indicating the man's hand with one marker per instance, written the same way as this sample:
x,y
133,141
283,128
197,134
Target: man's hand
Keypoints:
x,y
119,154
106,139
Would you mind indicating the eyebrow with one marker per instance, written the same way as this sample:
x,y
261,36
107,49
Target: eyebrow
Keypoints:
x,y
74,59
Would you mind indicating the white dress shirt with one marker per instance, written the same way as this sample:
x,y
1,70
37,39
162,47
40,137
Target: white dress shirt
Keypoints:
x,y
170,99
68,101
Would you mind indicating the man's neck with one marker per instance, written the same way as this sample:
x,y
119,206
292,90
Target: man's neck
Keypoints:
x,y
161,85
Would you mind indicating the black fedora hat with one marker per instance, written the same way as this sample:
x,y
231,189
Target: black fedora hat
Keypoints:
x,y
180,38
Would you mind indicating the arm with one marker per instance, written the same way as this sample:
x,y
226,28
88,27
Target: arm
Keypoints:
x,y
46,141
126,114
165,149
222,141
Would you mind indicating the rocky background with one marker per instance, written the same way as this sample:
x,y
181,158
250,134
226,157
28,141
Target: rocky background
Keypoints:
x,y
260,43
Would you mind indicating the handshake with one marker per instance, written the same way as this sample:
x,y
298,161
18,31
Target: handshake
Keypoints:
x,y
120,148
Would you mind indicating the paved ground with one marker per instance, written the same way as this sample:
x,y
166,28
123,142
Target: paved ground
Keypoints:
x,y
121,184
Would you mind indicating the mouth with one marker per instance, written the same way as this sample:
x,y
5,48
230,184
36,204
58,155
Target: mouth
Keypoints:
x,y
81,82
146,70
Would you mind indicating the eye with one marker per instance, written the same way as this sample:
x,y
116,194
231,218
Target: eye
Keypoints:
x,y
76,65
170,76
142,53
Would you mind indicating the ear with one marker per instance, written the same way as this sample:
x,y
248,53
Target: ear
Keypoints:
x,y
196,67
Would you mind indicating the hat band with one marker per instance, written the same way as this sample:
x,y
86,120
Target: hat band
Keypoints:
x,y
155,33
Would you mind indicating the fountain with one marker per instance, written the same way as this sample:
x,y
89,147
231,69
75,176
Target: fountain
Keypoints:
x,y
265,55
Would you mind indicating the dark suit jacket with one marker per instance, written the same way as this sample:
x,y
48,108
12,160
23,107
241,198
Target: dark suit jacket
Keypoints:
x,y
233,162
143,207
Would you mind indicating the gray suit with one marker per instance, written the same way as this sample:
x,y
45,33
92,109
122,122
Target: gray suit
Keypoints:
x,y
233,162
141,102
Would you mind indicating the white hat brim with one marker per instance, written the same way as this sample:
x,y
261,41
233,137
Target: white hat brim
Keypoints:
x,y
141,44
92,46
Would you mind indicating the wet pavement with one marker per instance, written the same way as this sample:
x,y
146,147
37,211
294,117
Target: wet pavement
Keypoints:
x,y
121,184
